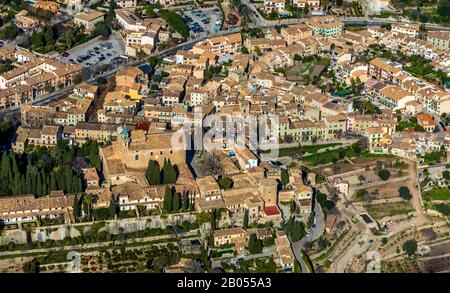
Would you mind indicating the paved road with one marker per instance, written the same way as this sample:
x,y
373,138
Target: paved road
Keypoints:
x,y
315,233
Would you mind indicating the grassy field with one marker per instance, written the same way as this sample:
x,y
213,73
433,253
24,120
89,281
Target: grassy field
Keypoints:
x,y
381,210
437,194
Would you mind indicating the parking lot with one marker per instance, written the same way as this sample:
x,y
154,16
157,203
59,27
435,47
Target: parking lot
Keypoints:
x,y
203,21
95,52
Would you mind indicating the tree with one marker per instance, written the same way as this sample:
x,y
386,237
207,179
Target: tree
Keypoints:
x,y
384,174
102,29
410,247
254,244
446,174
443,10
284,177
94,157
31,266
167,202
225,183
76,207
212,219
361,193
153,173
48,34
176,205
298,231
112,209
404,193
246,219
169,174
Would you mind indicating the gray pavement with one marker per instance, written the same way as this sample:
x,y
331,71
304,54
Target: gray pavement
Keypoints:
x,y
97,53
315,233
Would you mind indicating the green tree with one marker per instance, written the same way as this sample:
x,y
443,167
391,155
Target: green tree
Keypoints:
x,y
212,219
176,202
298,231
102,29
225,183
254,244
94,157
112,209
246,219
167,202
284,177
153,173
446,175
404,193
410,247
384,174
361,193
31,266
169,173
76,207
48,34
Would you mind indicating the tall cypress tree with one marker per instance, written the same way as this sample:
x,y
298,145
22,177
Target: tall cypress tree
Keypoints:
x,y
76,207
176,202
38,184
44,182
169,173
112,209
167,203
29,185
53,185
185,201
6,166
153,173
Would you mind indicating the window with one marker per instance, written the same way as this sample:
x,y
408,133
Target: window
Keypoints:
x,y
136,157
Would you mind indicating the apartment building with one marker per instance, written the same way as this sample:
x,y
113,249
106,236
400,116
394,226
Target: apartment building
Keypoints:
x,y
303,3
327,26
26,22
434,100
96,131
284,251
426,121
263,44
393,97
15,96
51,6
27,208
274,6
126,3
220,45
234,236
409,30
130,21
293,34
440,39
384,70
89,20
35,116
48,136
40,73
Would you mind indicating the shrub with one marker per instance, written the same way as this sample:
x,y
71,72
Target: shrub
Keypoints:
x,y
384,174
